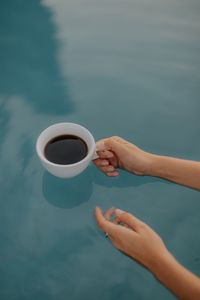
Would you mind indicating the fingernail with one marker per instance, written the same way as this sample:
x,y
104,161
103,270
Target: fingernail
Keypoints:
x,y
110,169
104,163
115,173
119,212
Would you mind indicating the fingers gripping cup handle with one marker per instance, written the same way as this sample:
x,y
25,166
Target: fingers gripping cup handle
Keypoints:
x,y
95,156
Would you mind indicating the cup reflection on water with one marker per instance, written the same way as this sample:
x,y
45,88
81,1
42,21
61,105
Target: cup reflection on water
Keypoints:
x,y
64,129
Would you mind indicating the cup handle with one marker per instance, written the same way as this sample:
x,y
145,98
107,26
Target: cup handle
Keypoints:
x,y
95,156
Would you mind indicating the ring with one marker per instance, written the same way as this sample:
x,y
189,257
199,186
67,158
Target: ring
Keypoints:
x,y
106,235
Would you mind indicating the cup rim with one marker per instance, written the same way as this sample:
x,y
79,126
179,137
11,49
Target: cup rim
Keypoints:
x,y
42,156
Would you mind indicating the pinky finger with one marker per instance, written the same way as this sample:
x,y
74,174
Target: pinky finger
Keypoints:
x,y
112,174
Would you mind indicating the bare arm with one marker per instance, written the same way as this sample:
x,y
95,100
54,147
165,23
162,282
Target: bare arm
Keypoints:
x,y
181,171
175,277
115,152
143,244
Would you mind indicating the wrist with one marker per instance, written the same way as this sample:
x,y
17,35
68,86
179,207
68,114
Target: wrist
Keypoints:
x,y
155,167
183,283
151,164
163,265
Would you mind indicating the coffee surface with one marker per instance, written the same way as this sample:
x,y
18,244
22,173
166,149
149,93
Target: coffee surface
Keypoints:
x,y
65,149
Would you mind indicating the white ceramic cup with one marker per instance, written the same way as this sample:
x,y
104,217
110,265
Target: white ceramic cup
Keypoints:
x,y
71,170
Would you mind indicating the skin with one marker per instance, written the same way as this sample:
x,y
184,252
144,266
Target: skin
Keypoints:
x,y
132,236
115,153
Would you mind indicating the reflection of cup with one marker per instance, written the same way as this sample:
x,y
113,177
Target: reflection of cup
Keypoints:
x,y
70,170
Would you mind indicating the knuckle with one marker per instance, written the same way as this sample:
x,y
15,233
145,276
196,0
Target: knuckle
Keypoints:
x,y
142,225
127,215
115,137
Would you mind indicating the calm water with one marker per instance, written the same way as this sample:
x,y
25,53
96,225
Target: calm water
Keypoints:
x,y
128,68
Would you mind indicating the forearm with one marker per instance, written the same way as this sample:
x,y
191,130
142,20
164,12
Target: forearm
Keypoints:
x,y
181,171
184,284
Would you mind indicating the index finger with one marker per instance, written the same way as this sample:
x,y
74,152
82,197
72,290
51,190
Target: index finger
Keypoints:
x,y
129,219
104,224
103,150
100,145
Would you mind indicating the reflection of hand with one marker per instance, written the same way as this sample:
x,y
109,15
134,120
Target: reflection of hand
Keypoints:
x,y
115,152
134,237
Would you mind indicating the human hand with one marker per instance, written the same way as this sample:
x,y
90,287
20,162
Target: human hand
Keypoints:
x,y
134,238
115,152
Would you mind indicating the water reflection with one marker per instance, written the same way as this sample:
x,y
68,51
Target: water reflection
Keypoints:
x,y
4,120
125,179
29,57
67,193
72,192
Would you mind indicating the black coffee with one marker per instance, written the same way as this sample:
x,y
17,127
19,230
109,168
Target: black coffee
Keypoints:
x,y
65,149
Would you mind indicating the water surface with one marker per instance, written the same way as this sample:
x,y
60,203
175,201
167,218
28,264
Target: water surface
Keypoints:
x,y
127,68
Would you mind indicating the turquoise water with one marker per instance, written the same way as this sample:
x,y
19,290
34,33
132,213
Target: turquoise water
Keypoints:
x,y
128,68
